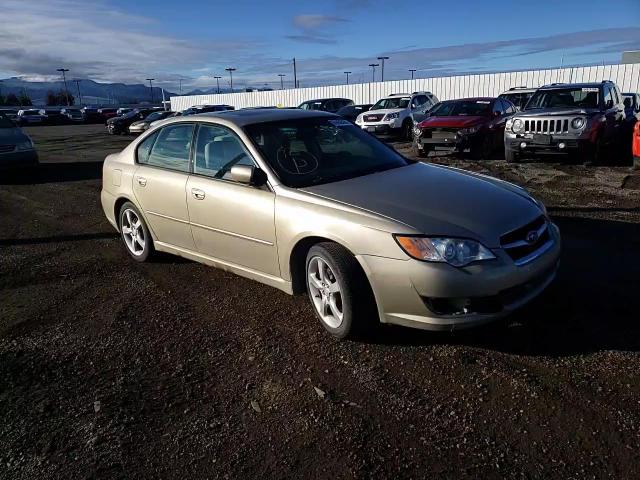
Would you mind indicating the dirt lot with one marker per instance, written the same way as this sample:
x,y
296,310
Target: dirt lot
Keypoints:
x,y
112,369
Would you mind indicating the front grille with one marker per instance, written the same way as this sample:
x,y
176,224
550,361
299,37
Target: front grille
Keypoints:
x,y
441,133
546,125
373,118
527,242
7,148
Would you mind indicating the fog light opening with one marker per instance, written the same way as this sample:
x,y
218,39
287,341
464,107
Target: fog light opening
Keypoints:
x,y
523,145
562,145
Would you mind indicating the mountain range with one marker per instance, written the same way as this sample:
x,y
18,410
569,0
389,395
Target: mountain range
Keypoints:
x,y
89,89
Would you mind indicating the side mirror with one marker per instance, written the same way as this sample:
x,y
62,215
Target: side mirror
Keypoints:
x,y
248,175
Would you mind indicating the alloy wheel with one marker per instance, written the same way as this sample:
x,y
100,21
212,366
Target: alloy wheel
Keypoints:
x,y
132,232
326,292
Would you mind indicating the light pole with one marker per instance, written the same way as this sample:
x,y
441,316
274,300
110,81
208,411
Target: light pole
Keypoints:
x,y
282,75
78,87
1,90
373,70
347,74
231,70
150,80
217,82
382,70
180,80
412,70
64,79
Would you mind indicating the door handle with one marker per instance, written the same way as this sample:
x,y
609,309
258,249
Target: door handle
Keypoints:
x,y
197,193
142,181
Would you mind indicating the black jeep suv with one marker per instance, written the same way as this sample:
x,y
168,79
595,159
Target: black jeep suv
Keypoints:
x,y
585,120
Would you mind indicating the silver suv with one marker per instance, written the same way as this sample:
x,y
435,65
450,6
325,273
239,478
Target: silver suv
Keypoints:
x,y
396,114
575,119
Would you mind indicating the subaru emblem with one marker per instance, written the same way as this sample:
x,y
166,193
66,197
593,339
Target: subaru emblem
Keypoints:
x,y
532,237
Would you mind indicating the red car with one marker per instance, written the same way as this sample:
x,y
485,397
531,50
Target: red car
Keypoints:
x,y
474,124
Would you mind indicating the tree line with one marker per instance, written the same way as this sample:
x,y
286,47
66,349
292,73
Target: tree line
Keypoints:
x,y
13,100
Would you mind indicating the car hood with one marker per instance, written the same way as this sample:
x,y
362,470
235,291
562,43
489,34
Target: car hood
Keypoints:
x,y
383,111
452,122
438,201
557,111
12,136
139,122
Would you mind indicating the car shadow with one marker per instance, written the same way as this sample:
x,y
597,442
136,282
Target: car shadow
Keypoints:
x,y
53,172
593,305
7,242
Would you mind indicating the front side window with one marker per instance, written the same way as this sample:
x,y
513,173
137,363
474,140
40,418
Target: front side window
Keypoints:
x,y
571,97
217,150
171,148
313,151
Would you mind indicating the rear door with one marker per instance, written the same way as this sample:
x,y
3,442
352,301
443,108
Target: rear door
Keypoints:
x,y
160,180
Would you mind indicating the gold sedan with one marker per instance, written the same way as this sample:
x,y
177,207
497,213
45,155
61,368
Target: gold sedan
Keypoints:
x,y
308,202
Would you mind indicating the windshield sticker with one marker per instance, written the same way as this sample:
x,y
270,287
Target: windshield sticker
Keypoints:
x,y
590,89
340,123
486,102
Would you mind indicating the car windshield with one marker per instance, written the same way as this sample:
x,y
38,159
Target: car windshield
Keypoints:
x,y
130,114
30,112
5,122
575,97
313,151
462,108
519,99
157,116
394,102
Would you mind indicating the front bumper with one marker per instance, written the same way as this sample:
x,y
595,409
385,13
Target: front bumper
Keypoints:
x,y
138,128
458,143
548,144
406,290
390,128
23,159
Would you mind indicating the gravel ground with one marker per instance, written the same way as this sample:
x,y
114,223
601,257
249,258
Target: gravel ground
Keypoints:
x,y
113,369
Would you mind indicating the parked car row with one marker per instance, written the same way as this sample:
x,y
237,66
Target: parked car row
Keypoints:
x,y
585,121
16,147
64,115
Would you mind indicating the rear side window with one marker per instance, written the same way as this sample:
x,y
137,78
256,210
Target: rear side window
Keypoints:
x,y
171,148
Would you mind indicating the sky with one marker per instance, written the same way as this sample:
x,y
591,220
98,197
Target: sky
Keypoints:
x,y
128,41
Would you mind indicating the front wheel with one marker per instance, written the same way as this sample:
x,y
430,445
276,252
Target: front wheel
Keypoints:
x,y
339,291
134,232
407,130
511,156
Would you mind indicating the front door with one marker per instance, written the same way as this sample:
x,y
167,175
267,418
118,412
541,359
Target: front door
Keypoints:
x,y
160,183
230,221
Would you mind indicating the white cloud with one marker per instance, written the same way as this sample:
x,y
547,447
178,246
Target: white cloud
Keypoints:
x,y
94,40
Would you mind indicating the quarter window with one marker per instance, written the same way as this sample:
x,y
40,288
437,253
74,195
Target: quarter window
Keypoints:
x,y
144,148
217,150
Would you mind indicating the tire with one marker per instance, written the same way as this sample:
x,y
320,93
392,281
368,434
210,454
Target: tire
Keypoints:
x,y
510,156
595,155
138,243
407,130
484,150
349,311
422,153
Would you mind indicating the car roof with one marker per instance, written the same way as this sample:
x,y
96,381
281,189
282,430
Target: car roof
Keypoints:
x,y
325,99
553,86
516,90
249,117
471,99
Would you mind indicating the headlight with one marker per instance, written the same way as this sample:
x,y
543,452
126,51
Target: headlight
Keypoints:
x,y
23,146
392,116
359,119
578,123
417,131
469,131
517,126
454,251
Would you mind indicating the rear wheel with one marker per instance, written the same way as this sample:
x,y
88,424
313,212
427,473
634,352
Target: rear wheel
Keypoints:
x,y
420,152
134,232
339,291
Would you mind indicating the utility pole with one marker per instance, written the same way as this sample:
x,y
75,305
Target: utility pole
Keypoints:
x,y
78,87
0,89
412,70
64,79
295,74
281,75
180,80
217,82
151,87
382,69
231,70
347,73
373,70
